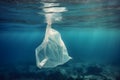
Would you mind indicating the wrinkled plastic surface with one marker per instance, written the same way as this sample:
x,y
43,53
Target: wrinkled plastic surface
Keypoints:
x,y
52,52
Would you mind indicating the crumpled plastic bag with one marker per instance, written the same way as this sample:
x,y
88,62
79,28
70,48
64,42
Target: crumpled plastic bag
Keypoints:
x,y
52,52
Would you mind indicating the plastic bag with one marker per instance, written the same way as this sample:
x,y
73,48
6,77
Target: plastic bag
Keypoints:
x,y
52,52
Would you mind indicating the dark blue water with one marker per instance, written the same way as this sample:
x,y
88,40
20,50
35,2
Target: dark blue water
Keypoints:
x,y
90,30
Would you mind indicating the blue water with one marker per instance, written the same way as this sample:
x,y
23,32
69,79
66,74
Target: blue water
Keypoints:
x,y
90,30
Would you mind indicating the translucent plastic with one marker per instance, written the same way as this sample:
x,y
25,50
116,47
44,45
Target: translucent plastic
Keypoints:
x,y
52,52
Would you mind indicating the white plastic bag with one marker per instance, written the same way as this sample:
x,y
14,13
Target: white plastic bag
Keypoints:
x,y
52,52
